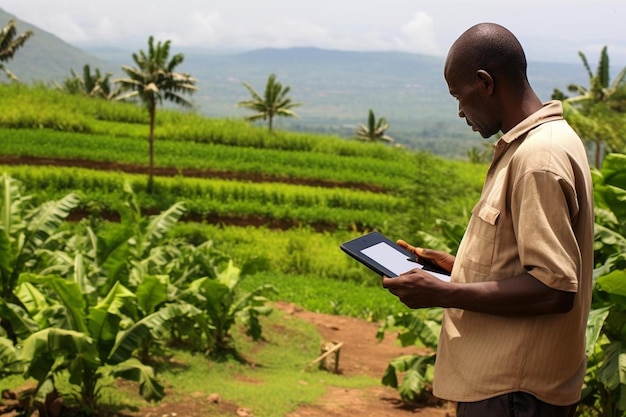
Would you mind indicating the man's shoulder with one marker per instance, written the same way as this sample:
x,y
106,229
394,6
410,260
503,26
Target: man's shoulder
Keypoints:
x,y
552,146
553,135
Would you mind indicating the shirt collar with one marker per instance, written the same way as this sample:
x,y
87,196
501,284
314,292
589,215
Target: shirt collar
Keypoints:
x,y
552,110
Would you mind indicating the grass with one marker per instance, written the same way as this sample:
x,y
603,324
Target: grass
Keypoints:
x,y
330,296
279,376
277,383
310,165
306,267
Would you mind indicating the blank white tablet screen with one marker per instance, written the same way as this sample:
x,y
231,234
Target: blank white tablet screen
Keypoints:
x,y
390,258
395,261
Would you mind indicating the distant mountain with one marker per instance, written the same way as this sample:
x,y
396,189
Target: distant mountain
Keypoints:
x,y
45,57
336,88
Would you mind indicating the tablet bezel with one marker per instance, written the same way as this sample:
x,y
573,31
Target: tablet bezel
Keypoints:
x,y
355,246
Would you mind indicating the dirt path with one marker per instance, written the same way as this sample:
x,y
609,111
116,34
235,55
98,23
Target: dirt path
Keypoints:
x,y
361,354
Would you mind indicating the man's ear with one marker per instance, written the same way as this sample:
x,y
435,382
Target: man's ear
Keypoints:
x,y
486,80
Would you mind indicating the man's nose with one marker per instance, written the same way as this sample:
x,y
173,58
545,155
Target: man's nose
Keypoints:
x,y
461,114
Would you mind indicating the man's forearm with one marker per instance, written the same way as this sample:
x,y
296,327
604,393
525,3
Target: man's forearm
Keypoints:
x,y
522,295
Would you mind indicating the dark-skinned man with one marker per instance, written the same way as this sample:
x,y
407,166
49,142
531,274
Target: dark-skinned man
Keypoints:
x,y
516,307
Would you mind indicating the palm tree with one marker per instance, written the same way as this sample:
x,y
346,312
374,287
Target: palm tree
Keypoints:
x,y
93,85
374,131
9,44
597,101
274,103
153,81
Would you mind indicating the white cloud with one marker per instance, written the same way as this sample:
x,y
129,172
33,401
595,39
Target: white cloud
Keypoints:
x,y
105,30
423,26
199,29
65,27
419,35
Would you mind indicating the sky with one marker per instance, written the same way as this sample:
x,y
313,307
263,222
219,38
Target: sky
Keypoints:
x,y
549,30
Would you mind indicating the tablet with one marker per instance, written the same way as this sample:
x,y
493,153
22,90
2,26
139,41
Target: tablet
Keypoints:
x,y
385,257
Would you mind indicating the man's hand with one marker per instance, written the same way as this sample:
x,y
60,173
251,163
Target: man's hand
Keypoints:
x,y
416,288
521,295
438,258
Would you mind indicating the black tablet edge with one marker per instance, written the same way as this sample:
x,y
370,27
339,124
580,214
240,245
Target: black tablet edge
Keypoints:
x,y
372,265
348,248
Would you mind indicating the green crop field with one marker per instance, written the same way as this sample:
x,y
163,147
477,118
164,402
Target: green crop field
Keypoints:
x,y
237,217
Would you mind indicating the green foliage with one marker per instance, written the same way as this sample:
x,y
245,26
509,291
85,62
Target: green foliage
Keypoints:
x,y
154,81
605,382
420,327
24,230
91,85
10,363
148,282
95,345
274,102
39,107
596,112
221,305
214,160
206,199
92,302
374,131
610,231
9,45
439,190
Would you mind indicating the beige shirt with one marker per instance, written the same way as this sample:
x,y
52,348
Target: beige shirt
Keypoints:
x,y
535,215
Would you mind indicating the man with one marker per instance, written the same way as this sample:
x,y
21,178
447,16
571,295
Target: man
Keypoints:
x,y
513,333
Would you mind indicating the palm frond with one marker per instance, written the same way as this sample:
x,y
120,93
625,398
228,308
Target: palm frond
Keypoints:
x,y
274,102
9,43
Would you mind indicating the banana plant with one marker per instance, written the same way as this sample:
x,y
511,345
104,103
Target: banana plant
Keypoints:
x,y
418,327
604,391
72,312
222,306
135,240
96,343
23,231
9,361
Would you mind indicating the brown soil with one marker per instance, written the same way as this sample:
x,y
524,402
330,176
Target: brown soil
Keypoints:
x,y
185,172
360,354
255,221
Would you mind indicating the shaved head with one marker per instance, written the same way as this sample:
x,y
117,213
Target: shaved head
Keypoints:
x,y
486,73
489,47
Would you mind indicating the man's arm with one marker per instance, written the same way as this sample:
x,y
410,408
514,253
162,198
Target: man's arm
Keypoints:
x,y
522,295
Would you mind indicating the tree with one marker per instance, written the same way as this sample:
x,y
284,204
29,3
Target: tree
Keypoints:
x,y
592,111
93,85
374,131
9,44
153,81
274,102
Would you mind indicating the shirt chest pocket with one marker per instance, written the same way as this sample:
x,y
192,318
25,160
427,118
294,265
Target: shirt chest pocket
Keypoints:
x,y
480,238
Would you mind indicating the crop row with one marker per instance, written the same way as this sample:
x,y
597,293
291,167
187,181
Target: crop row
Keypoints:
x,y
205,198
25,107
369,171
